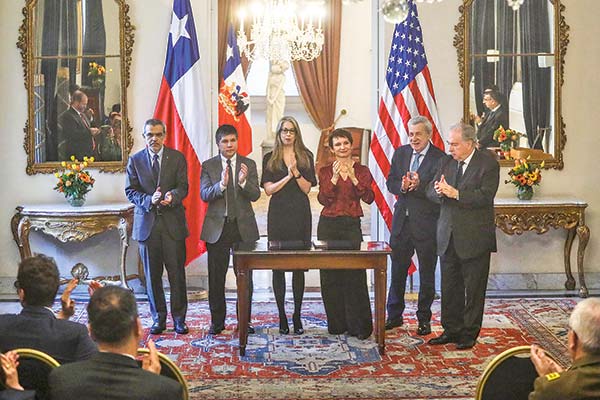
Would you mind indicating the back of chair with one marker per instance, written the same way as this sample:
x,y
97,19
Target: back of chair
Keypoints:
x,y
34,368
169,369
510,375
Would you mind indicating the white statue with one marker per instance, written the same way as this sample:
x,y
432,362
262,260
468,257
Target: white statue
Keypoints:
x,y
275,95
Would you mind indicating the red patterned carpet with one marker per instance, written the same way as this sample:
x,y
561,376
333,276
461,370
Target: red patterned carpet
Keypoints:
x,y
317,365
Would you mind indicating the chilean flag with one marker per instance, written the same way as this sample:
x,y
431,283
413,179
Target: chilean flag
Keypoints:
x,y
234,103
181,106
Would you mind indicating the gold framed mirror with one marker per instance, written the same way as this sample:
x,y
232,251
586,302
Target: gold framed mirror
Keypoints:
x,y
76,58
511,71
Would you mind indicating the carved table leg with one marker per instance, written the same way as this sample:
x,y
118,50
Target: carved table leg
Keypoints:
x,y
380,288
124,234
583,233
243,297
570,283
14,226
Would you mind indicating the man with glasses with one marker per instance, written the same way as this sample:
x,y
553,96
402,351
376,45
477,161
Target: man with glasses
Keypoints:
x,y
157,183
76,135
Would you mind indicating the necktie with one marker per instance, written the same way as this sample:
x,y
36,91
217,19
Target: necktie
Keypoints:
x,y
230,194
87,125
155,168
459,172
415,164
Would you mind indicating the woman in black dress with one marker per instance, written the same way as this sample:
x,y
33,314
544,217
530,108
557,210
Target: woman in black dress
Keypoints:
x,y
288,174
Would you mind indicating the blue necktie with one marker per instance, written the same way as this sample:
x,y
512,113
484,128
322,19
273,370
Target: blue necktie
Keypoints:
x,y
155,168
415,164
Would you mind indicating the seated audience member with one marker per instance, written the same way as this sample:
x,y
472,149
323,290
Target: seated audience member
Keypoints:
x,y
113,373
14,390
582,379
36,326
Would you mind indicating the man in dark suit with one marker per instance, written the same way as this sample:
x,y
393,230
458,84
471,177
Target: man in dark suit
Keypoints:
x,y
229,218
113,373
465,185
157,183
496,115
414,222
36,326
76,136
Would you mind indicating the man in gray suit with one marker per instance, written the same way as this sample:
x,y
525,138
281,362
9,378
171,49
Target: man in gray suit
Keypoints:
x,y
465,186
229,218
157,183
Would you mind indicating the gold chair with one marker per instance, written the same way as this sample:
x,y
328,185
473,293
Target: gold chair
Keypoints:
x,y
510,375
169,369
34,368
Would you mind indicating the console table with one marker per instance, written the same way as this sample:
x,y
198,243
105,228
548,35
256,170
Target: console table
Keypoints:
x,y
515,216
73,224
251,256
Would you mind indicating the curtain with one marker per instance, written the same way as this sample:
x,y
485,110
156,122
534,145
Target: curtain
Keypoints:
x,y
61,41
506,44
482,39
317,80
535,37
94,38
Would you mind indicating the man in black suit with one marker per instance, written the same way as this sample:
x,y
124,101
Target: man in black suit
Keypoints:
x,y
113,373
36,326
496,115
414,222
229,218
76,136
465,185
157,183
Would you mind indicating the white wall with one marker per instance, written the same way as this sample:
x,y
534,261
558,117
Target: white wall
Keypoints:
x,y
151,19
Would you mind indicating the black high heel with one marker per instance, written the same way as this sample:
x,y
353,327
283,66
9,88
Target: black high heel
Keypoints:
x,y
298,329
284,329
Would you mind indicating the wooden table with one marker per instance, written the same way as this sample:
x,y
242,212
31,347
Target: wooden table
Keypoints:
x,y
514,216
251,256
73,224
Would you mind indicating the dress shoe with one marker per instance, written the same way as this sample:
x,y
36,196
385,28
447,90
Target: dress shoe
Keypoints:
x,y
157,328
284,328
424,329
363,336
181,327
442,339
465,343
214,329
393,323
251,330
298,328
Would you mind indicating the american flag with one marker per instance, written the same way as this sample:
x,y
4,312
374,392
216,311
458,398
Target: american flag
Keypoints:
x,y
180,105
407,92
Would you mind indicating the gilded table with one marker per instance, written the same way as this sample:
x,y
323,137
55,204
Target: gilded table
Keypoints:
x,y
251,256
73,224
515,216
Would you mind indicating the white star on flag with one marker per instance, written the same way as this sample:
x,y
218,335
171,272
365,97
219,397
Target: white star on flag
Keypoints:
x,y
178,28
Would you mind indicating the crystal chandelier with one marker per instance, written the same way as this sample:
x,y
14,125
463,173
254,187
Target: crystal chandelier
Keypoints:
x,y
396,11
515,4
279,32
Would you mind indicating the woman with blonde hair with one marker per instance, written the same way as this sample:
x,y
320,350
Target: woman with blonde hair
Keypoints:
x,y
288,175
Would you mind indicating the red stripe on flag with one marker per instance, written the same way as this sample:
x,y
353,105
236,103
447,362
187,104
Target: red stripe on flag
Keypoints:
x,y
380,157
388,125
403,110
382,205
177,138
427,76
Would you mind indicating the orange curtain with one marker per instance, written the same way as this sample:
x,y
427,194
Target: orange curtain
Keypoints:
x,y
228,11
318,79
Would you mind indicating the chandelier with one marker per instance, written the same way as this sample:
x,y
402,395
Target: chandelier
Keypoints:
x,y
396,11
281,32
515,4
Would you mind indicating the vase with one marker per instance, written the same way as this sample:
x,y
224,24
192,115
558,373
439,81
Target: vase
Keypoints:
x,y
97,83
525,192
76,201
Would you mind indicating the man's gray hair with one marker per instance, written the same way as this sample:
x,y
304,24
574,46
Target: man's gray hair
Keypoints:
x,y
585,322
419,119
468,133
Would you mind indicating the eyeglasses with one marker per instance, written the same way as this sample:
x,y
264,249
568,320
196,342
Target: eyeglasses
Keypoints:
x,y
286,130
149,135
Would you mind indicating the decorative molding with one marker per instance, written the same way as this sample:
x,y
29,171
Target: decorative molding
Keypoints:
x,y
540,222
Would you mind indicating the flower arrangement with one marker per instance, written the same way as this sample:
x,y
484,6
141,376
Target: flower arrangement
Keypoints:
x,y
507,138
74,181
97,72
524,175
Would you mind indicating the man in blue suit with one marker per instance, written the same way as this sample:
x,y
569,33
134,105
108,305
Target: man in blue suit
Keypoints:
x,y
414,223
157,184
